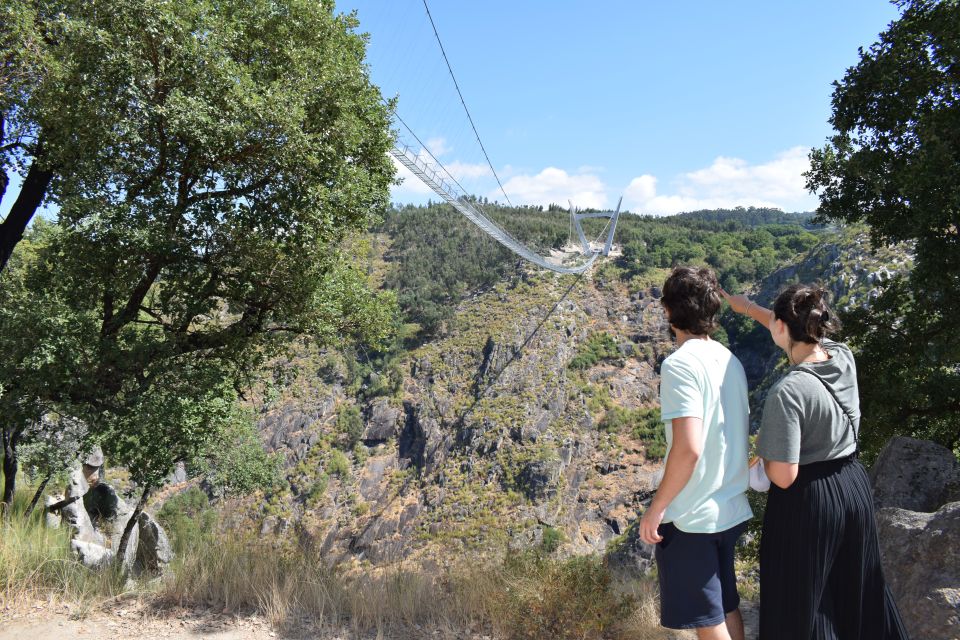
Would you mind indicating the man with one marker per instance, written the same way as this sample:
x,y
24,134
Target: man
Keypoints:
x,y
700,508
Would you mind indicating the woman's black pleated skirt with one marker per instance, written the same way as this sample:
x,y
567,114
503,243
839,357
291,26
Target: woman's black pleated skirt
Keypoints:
x,y
820,573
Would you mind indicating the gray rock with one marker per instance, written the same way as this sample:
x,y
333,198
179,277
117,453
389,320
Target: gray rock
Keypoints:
x,y
408,515
916,475
91,554
371,476
94,458
539,479
630,557
52,518
103,503
383,421
179,474
77,518
921,561
268,525
531,430
110,514
154,552
77,485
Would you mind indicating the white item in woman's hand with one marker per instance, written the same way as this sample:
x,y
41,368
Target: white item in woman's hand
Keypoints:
x,y
758,476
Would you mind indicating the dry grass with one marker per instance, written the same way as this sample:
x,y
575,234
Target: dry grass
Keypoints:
x,y
525,596
522,596
36,563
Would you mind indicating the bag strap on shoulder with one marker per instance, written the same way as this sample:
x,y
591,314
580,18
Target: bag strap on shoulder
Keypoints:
x,y
843,409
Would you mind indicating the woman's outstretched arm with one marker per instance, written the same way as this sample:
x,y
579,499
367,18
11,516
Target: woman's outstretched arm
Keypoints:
x,y
741,304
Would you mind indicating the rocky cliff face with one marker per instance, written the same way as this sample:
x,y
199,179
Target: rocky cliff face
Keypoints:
x,y
916,485
502,431
490,440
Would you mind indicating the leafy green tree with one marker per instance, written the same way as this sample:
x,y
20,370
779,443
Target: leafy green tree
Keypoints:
x,y
235,462
236,148
49,450
895,164
41,340
349,426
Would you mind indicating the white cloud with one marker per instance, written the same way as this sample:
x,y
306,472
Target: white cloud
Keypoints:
x,y
728,182
467,171
438,146
554,185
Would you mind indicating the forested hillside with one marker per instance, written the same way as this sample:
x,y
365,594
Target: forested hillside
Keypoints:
x,y
437,259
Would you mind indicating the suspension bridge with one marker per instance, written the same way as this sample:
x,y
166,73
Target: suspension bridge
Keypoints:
x,y
425,166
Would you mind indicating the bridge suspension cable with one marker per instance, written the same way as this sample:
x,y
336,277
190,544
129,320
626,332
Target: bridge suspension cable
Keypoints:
x,y
432,173
464,102
422,163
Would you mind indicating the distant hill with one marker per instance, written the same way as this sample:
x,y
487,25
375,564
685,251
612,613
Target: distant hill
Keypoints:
x,y
744,217
435,258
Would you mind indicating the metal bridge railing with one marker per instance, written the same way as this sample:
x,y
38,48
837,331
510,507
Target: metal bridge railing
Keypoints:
x,y
448,189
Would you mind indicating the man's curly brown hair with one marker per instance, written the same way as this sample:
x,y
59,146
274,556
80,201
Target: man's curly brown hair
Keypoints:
x,y
692,300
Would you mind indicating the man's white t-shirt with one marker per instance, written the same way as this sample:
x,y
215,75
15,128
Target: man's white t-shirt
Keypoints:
x,y
702,379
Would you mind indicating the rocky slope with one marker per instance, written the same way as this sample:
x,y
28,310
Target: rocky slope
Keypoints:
x,y
491,439
529,422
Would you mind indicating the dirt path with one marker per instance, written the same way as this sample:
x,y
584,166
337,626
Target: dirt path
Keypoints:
x,y
141,623
137,621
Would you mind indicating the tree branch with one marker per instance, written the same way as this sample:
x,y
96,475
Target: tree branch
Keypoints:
x,y
31,196
129,312
235,192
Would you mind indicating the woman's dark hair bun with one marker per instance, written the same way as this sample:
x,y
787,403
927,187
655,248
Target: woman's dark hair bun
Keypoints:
x,y
804,310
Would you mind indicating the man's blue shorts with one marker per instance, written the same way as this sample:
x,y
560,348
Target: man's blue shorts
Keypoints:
x,y
698,586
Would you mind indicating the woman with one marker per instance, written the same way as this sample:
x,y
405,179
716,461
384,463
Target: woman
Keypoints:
x,y
820,573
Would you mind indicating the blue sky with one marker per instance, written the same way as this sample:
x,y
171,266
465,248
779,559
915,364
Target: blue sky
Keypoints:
x,y
674,105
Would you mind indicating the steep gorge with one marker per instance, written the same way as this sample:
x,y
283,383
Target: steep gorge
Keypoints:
x,y
499,432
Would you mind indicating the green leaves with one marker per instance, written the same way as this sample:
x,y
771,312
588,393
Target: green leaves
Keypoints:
x,y
214,161
895,164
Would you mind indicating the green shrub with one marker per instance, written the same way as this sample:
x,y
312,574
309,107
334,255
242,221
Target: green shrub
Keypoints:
x,y
338,464
188,518
349,425
238,463
552,538
318,490
643,424
360,453
598,347
649,428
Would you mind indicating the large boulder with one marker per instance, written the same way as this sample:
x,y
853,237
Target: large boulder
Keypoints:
x,y
92,466
383,421
94,458
73,512
921,561
76,517
154,552
91,554
630,557
52,518
916,475
77,485
112,528
103,503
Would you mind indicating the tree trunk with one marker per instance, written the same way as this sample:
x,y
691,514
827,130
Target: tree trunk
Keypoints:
x,y
131,523
36,497
9,467
31,196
